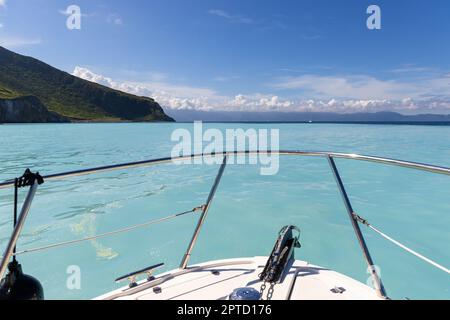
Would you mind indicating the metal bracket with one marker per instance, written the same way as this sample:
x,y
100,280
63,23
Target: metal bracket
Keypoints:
x,y
360,219
133,275
28,178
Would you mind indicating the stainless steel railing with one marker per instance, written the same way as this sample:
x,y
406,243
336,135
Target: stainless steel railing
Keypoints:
x,y
145,163
351,213
330,156
202,218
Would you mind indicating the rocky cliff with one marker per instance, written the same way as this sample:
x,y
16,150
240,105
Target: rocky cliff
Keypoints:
x,y
27,109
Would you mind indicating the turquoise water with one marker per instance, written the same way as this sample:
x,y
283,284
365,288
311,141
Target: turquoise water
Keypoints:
x,y
247,212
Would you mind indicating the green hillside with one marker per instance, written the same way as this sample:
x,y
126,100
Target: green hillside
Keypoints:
x,y
70,96
7,93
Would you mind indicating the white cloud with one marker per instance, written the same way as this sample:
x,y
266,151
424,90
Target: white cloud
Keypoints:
x,y
2,3
15,42
409,68
258,102
231,17
364,87
226,78
264,24
344,95
356,87
167,94
114,19
86,74
1,25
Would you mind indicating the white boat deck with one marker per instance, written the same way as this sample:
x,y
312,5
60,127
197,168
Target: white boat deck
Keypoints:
x,y
216,280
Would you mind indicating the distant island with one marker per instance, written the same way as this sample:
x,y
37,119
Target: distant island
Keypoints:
x,y
308,117
32,91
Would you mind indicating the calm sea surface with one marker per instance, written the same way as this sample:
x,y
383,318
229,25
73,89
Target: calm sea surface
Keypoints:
x,y
248,211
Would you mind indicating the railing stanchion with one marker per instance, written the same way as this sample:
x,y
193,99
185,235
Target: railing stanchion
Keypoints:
x,y
18,228
376,279
202,218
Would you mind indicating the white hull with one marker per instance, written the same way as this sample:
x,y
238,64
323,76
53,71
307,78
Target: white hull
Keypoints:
x,y
216,280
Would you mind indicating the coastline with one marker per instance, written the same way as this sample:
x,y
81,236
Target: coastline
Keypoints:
x,y
403,123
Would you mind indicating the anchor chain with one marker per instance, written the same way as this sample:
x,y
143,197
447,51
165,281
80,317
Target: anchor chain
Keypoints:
x,y
269,292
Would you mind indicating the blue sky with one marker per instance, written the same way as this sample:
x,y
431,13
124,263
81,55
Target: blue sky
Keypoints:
x,y
247,55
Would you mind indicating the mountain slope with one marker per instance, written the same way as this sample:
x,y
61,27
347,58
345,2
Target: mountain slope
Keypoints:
x,y
70,96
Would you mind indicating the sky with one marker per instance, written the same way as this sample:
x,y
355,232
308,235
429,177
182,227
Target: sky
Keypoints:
x,y
247,55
